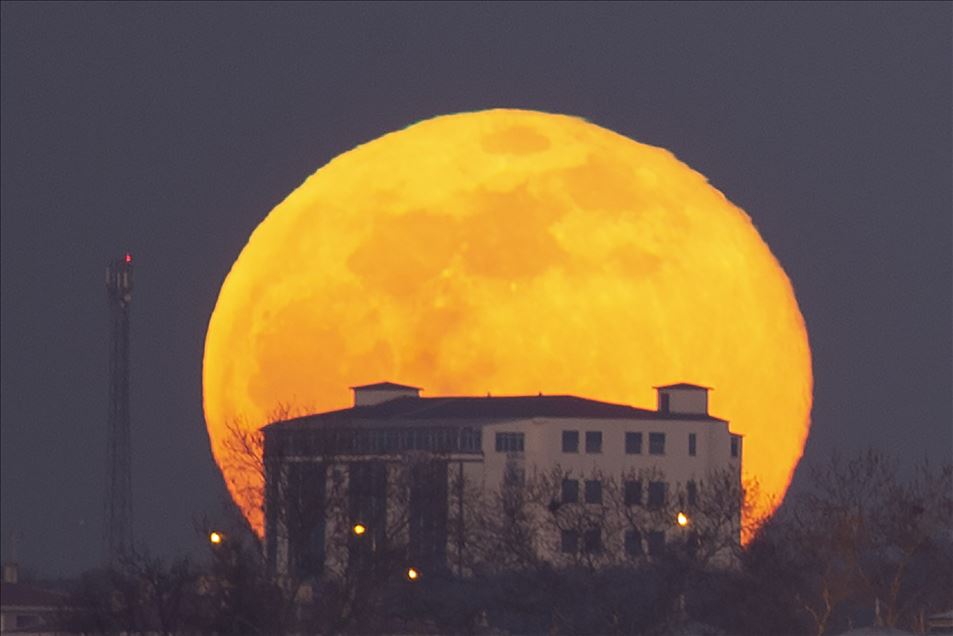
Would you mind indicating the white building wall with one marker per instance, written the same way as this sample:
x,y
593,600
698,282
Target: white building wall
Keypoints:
x,y
369,397
543,448
693,400
543,453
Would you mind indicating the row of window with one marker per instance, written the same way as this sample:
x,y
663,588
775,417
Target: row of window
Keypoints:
x,y
632,492
438,439
515,443
593,491
592,542
510,442
571,441
633,443
376,441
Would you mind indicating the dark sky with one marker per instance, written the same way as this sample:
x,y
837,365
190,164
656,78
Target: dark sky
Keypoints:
x,y
172,129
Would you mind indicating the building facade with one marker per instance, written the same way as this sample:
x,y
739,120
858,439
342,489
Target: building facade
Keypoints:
x,y
409,474
25,608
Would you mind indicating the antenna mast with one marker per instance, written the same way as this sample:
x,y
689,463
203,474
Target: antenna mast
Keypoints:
x,y
118,521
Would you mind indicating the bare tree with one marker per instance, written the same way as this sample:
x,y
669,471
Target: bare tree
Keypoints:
x,y
360,566
881,525
243,463
139,593
167,589
574,536
861,536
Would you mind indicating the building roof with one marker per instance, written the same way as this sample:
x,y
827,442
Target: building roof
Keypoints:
x,y
483,409
25,595
684,385
387,386
876,631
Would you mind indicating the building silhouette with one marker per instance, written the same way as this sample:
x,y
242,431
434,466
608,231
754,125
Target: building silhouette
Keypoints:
x,y
394,471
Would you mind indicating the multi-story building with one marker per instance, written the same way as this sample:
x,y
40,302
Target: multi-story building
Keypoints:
x,y
399,467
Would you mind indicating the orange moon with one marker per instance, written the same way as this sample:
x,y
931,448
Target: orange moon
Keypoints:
x,y
511,252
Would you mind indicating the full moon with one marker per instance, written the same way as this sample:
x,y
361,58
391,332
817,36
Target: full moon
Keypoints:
x,y
511,252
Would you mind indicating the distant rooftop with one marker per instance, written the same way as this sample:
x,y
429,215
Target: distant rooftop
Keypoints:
x,y
387,386
488,408
20,595
684,385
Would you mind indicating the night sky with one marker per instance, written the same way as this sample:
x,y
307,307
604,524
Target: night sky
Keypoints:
x,y
172,129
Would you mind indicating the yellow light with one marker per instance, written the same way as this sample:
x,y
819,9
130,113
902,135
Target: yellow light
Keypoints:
x,y
359,529
682,519
516,251
215,538
412,574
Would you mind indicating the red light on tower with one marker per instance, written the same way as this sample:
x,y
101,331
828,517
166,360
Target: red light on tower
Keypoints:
x,y
128,257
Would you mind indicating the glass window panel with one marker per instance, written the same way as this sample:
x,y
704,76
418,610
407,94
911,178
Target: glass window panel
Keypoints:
x,y
593,441
633,543
633,443
569,542
570,491
656,494
570,441
593,491
633,493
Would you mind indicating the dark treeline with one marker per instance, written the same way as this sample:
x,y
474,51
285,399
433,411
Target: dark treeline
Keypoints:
x,y
859,546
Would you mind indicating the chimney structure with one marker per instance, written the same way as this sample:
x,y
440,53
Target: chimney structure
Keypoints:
x,y
683,399
371,394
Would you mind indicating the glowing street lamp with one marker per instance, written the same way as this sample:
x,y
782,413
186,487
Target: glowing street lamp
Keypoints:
x,y
412,574
681,519
215,538
359,529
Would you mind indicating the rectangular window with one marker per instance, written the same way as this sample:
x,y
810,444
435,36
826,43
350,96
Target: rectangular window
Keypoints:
x,y
570,491
734,446
443,444
633,443
663,405
593,441
593,491
469,440
691,444
633,493
569,542
592,540
355,442
633,543
692,491
570,441
656,541
509,442
656,443
656,494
